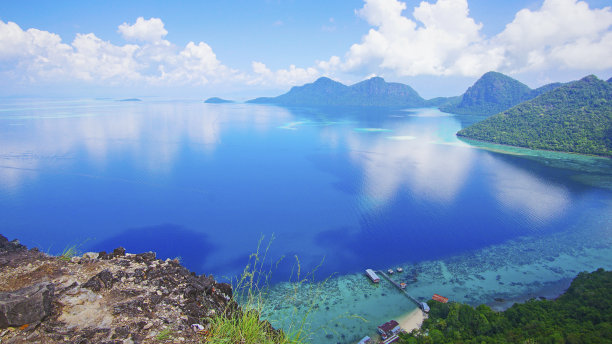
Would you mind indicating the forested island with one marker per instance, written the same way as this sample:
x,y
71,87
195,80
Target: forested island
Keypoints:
x,y
576,117
583,314
493,93
327,92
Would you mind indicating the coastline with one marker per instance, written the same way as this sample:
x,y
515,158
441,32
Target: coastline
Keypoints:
x,y
464,138
411,320
351,306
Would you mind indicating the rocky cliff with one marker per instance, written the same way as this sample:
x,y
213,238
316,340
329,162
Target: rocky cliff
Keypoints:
x,y
104,298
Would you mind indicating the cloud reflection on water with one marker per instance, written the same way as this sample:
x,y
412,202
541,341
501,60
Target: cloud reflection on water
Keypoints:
x,y
102,133
390,164
540,201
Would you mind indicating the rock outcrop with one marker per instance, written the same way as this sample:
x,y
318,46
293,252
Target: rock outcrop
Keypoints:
x,y
104,297
25,306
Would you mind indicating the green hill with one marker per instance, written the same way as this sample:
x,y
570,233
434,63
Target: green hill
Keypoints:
x,y
493,93
582,315
326,92
576,117
441,102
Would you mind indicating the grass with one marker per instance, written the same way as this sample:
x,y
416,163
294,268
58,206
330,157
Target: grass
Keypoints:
x,y
250,291
164,335
245,328
68,253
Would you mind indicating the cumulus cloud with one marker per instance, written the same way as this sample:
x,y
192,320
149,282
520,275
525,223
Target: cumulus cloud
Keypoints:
x,y
437,37
400,44
33,55
146,30
442,39
564,33
284,77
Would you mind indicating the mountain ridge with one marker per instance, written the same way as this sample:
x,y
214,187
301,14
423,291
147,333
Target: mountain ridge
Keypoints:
x,y
492,93
327,92
575,118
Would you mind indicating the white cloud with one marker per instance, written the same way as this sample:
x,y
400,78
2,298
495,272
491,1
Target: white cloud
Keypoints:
x,y
146,30
196,64
564,33
401,45
34,55
442,39
95,59
285,77
31,52
434,38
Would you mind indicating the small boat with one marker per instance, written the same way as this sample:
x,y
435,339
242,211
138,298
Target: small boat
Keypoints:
x,y
403,285
400,270
390,271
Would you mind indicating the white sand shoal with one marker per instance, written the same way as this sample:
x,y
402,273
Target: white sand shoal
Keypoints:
x,y
412,320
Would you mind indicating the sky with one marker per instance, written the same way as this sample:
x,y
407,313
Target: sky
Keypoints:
x,y
243,49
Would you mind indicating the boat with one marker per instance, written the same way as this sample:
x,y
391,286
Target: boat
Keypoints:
x,y
403,285
400,269
390,271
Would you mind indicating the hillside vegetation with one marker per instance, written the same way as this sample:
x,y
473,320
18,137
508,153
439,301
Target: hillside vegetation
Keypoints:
x,y
327,92
576,117
493,93
582,315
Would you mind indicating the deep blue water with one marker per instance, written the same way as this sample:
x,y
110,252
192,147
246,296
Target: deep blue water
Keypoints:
x,y
355,188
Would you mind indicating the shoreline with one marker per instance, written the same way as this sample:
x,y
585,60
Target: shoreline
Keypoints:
x,y
463,138
411,320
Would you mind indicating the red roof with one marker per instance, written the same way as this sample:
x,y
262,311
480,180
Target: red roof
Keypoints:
x,y
388,326
440,298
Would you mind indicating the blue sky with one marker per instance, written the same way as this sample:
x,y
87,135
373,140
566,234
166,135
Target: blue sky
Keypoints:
x,y
242,49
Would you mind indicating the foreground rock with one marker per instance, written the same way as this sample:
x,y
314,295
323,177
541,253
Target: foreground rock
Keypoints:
x,y
103,298
25,306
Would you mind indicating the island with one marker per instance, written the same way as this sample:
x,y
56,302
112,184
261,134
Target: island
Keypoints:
x,y
575,117
130,100
217,100
373,92
493,93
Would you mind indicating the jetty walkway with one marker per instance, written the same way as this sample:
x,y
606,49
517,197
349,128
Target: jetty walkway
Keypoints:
x,y
422,305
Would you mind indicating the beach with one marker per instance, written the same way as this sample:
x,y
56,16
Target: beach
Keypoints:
x,y
412,320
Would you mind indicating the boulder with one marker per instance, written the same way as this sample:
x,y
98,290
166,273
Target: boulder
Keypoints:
x,y
27,305
103,280
7,246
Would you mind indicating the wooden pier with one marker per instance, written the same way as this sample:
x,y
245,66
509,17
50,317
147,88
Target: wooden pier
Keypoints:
x,y
422,305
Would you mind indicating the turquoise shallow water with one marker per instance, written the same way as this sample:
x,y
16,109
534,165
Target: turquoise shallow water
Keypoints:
x,y
357,188
346,308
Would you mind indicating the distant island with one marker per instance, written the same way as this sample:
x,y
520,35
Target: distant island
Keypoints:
x,y
493,93
217,100
327,92
575,117
130,100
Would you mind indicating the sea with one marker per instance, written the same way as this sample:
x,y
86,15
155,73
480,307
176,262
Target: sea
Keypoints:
x,y
309,198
